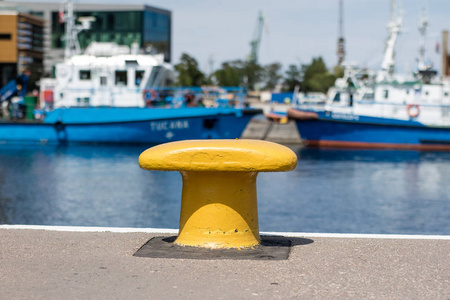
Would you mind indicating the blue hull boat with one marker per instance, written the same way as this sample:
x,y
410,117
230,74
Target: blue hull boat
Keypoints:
x,y
129,125
327,129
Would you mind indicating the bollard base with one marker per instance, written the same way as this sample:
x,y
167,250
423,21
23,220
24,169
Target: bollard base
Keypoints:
x,y
271,248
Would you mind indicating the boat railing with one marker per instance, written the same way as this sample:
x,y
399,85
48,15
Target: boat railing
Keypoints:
x,y
208,96
310,103
427,113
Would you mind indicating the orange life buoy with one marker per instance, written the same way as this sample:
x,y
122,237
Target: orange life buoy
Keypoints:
x,y
413,110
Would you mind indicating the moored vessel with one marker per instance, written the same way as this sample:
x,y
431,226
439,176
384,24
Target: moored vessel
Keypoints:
x,y
382,110
114,94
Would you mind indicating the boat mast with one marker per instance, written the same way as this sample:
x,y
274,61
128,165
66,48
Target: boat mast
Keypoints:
x,y
394,26
72,48
72,45
423,24
341,41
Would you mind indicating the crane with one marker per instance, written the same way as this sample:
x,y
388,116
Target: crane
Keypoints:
x,y
256,41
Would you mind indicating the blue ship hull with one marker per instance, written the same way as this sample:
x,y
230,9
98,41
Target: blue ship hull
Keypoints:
x,y
129,125
322,129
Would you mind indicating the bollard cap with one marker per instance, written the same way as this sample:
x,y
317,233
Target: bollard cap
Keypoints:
x,y
219,155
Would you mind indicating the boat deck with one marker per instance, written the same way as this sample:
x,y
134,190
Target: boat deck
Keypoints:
x,y
70,263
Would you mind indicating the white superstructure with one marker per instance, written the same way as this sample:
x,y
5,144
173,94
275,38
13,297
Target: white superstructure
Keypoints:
x,y
106,74
115,80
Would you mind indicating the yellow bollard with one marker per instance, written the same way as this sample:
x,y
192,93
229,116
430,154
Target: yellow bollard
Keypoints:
x,y
218,206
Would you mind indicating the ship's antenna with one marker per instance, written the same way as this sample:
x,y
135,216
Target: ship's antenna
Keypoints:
x,y
423,24
72,45
341,41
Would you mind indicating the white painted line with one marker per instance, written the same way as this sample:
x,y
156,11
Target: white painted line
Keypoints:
x,y
361,236
175,231
90,229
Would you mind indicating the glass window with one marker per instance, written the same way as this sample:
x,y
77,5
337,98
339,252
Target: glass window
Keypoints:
x,y
123,27
5,36
337,97
83,101
368,96
386,94
85,74
138,77
156,33
154,75
110,21
121,78
103,80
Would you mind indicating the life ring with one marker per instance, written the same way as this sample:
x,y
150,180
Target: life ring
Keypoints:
x,y
149,95
413,110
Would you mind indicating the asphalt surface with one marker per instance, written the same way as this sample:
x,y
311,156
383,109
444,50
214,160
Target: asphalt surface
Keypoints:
x,y
42,264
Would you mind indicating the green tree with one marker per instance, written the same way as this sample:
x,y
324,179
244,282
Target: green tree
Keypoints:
x,y
188,72
338,71
272,76
253,74
230,74
238,73
292,78
316,77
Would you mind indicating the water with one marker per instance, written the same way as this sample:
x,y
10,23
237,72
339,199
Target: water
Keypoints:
x,y
339,191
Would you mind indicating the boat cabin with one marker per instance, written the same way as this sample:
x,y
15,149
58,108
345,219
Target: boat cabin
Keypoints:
x,y
109,78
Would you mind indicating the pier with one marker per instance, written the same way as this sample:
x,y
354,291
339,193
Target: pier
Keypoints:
x,y
98,263
261,128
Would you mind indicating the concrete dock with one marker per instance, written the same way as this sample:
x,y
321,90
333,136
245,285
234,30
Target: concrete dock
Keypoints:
x,y
262,129
77,263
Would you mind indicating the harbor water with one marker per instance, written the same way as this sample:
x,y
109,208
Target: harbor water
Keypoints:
x,y
333,191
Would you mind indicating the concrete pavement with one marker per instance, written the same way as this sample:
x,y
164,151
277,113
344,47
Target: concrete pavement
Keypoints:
x,y
47,264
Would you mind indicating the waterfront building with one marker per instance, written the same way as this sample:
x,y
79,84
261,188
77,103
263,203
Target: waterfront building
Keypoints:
x,y
148,26
21,44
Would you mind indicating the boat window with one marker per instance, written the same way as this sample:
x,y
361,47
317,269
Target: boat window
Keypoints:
x,y
168,81
138,77
154,75
368,96
386,94
131,63
85,74
121,78
426,93
84,101
103,80
446,94
337,97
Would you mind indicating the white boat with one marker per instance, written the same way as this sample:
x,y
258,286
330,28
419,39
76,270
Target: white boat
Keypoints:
x,y
108,94
382,109
109,75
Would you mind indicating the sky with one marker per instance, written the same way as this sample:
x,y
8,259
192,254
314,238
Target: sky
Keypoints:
x,y
298,30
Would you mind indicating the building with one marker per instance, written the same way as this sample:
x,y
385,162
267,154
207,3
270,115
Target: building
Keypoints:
x,y
148,26
21,44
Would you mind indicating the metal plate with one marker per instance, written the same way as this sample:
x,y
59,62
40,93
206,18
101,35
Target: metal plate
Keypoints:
x,y
271,248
